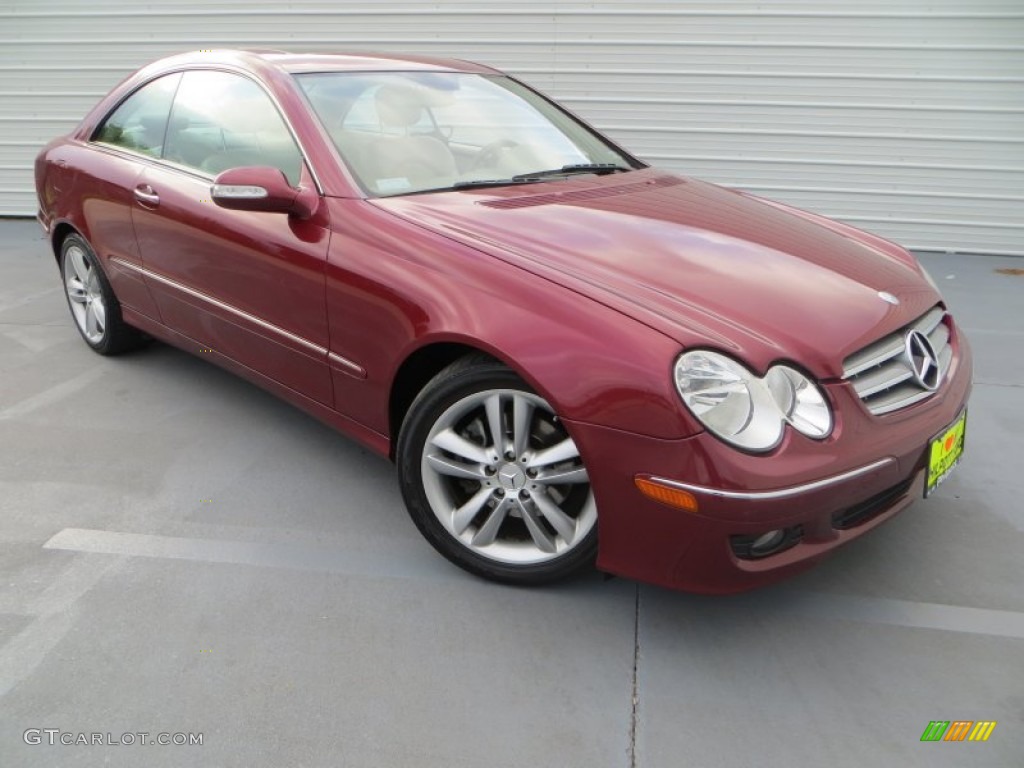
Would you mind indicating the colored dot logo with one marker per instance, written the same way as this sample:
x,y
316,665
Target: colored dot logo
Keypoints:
x,y
958,730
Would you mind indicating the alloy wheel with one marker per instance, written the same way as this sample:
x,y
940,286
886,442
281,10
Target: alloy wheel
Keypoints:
x,y
503,477
85,295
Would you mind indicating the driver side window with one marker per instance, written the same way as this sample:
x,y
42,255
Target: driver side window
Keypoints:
x,y
221,120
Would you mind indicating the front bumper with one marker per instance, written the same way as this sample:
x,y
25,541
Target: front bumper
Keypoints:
x,y
830,492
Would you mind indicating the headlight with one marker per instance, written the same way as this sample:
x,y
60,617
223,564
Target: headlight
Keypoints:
x,y
748,411
800,401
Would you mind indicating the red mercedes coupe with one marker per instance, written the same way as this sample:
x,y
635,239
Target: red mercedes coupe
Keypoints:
x,y
572,357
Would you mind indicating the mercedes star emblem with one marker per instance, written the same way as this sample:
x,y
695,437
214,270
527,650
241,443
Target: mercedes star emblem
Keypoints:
x,y
924,363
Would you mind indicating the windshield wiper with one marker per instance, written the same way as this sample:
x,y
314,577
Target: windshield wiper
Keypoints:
x,y
566,170
525,179
534,176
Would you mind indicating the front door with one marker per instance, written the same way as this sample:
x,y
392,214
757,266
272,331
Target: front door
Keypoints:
x,y
248,285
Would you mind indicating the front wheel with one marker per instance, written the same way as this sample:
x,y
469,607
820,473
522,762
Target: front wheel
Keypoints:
x,y
493,480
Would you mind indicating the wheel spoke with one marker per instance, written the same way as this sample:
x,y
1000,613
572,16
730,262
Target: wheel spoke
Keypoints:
x,y
99,310
559,476
76,291
540,536
494,422
560,521
489,530
91,325
79,264
522,416
465,514
451,468
452,442
562,451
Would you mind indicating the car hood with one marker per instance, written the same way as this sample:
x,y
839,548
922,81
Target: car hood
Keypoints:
x,y
702,264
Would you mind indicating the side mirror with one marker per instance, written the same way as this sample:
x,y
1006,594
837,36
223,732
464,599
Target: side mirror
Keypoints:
x,y
262,188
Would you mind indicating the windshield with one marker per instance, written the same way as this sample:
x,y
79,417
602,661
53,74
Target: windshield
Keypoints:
x,y
405,132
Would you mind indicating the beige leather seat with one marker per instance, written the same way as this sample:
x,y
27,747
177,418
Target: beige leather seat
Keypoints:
x,y
396,160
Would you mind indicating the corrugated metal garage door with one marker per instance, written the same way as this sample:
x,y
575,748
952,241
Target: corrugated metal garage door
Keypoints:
x,y
903,117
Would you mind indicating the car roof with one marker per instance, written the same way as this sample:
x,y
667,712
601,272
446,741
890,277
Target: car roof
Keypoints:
x,y
320,62
361,61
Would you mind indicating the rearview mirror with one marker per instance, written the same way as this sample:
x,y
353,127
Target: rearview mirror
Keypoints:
x,y
262,188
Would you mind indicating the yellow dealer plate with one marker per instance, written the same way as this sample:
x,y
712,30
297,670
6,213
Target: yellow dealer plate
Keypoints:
x,y
944,453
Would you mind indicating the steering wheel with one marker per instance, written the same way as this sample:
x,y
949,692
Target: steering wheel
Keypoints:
x,y
490,154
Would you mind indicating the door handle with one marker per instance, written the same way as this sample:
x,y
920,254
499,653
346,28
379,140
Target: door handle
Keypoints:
x,y
146,195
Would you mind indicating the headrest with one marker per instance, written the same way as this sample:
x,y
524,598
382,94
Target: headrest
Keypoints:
x,y
398,106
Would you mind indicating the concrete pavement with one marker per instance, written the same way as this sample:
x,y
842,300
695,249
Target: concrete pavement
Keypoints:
x,y
181,553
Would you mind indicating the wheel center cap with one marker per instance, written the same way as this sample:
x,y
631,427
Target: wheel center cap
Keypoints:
x,y
511,477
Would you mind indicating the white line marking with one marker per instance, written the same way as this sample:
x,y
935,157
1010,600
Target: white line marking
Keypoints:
x,y
403,564
55,615
413,564
54,394
904,613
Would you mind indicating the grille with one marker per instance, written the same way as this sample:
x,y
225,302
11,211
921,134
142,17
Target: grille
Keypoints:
x,y
881,373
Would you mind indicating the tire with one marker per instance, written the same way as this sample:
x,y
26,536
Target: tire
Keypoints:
x,y
519,513
93,305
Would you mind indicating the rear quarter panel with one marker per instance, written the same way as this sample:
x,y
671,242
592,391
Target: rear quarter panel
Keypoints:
x,y
90,188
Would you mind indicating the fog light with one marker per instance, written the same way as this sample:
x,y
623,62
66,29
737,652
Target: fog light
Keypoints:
x,y
766,542
756,546
666,494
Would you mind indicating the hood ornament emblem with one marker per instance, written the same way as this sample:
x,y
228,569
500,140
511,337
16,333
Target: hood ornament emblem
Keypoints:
x,y
889,298
922,360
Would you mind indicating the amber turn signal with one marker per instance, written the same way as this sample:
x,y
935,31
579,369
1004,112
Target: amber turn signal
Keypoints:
x,y
666,494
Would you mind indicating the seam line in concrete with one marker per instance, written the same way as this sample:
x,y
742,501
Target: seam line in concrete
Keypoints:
x,y
636,684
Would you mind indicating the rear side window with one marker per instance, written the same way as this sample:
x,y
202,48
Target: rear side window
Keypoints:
x,y
140,122
222,120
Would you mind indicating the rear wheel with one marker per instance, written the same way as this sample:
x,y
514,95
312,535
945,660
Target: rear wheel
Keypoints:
x,y
492,478
94,307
